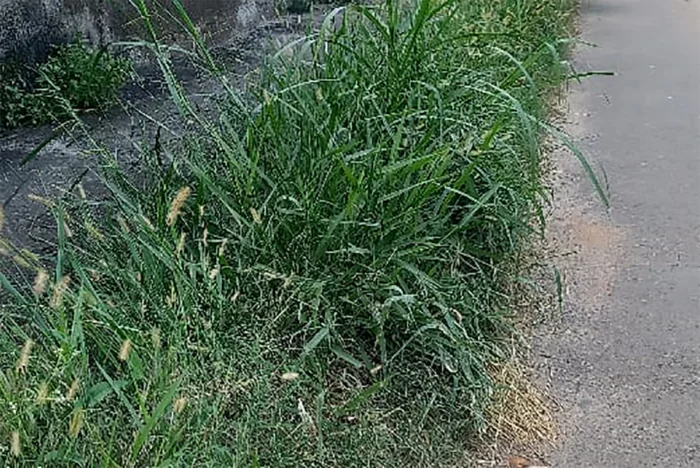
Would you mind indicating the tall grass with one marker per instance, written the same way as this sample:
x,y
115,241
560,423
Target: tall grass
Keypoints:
x,y
315,277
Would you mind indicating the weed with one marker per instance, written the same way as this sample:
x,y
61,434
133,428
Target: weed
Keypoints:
x,y
75,77
316,279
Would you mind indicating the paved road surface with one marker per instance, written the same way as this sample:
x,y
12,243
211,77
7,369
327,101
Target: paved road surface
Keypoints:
x,y
625,363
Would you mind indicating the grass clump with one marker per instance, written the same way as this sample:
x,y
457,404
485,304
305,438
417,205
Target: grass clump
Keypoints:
x,y
315,277
76,77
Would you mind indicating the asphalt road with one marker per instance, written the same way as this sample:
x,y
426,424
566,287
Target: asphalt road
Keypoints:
x,y
624,361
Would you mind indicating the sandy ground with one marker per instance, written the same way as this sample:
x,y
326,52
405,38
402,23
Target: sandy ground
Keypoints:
x,y
624,359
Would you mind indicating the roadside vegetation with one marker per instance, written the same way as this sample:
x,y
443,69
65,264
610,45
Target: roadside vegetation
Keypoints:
x,y
75,77
315,277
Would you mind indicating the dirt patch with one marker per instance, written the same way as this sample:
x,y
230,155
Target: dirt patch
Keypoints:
x,y
581,241
574,271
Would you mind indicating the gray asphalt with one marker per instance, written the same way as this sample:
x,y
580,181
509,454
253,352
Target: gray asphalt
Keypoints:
x,y
625,360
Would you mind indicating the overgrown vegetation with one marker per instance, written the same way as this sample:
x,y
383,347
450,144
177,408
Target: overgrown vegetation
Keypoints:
x,y
76,77
315,278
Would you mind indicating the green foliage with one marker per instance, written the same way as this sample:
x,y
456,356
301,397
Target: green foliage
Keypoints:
x,y
18,104
85,77
317,276
76,77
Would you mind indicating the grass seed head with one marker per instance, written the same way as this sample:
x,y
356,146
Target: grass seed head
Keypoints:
x,y
176,205
180,244
73,390
155,338
58,292
172,297
24,356
76,423
257,219
15,444
125,350
40,281
180,405
222,247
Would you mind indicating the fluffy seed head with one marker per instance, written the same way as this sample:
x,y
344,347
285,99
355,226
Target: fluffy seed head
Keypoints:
x,y
23,361
58,292
257,219
15,444
155,338
172,297
289,376
125,350
180,405
176,205
40,283
73,390
222,247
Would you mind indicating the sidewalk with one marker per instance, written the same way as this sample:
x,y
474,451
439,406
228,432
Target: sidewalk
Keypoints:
x,y
625,361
